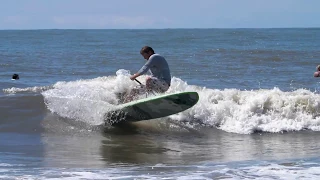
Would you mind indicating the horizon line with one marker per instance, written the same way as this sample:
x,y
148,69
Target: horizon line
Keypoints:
x,y
22,29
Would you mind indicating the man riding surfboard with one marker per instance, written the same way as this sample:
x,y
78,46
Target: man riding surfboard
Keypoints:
x,y
160,78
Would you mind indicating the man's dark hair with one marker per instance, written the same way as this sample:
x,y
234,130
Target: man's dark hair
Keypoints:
x,y
146,49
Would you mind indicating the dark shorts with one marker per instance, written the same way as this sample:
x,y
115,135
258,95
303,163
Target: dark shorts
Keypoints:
x,y
157,85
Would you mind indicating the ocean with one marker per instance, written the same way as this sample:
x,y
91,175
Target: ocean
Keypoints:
x,y
258,116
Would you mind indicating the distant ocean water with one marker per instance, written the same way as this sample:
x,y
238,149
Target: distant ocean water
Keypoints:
x,y
258,116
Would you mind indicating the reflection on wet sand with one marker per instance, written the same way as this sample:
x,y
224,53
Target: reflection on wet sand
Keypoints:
x,y
164,142
144,143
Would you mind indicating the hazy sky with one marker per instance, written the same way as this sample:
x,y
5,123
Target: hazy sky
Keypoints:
x,y
133,14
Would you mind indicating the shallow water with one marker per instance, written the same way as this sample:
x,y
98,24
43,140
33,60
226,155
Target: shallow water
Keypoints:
x,y
257,117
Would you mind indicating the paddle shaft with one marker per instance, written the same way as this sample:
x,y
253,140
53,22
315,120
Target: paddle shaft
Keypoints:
x,y
138,81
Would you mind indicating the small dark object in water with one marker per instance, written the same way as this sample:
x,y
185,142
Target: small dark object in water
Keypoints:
x,y
15,76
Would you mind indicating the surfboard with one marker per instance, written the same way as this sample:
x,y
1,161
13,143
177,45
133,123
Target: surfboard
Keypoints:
x,y
152,107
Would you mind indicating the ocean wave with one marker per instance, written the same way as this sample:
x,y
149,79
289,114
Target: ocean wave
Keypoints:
x,y
36,89
231,110
264,170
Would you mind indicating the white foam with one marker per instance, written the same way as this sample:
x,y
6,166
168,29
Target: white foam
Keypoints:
x,y
237,170
87,100
276,171
272,110
231,110
268,110
35,89
5,165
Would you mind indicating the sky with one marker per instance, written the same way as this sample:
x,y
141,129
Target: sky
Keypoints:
x,y
158,14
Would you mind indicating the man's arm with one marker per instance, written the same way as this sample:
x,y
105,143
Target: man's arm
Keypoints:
x,y
143,70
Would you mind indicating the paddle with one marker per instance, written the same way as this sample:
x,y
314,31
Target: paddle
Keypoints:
x,y
138,81
124,72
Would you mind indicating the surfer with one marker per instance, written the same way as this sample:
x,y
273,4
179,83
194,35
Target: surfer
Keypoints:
x,y
15,76
160,78
317,73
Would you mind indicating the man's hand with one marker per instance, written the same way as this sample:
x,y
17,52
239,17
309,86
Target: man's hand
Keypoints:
x,y
133,77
